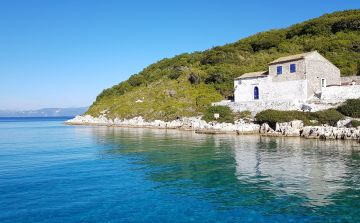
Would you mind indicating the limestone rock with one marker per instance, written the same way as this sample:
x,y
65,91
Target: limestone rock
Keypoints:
x,y
265,129
343,123
293,128
170,92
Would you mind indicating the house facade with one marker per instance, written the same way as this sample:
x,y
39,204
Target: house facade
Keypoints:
x,y
296,77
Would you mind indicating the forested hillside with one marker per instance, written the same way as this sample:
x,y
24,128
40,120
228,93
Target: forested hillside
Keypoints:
x,y
186,84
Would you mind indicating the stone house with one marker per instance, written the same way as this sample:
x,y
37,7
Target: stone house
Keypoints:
x,y
297,77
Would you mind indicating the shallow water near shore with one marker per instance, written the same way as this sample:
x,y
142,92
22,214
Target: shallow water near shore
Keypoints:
x,y
50,172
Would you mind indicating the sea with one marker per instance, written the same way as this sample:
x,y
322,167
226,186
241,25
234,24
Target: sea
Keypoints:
x,y
52,172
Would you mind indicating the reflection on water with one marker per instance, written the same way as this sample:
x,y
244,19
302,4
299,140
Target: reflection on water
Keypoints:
x,y
55,173
289,174
293,168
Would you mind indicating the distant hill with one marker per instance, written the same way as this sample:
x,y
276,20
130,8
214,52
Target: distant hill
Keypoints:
x,y
45,112
186,84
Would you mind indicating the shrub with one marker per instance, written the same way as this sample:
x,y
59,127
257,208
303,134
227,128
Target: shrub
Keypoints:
x,y
246,115
214,78
174,75
226,115
355,123
213,57
105,93
194,78
273,116
350,108
346,24
136,80
329,116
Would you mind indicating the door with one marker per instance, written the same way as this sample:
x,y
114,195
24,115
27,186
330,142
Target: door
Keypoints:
x,y
256,93
323,82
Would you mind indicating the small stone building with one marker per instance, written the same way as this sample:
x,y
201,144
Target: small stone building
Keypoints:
x,y
296,77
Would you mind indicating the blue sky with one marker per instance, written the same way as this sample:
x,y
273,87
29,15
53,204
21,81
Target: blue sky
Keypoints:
x,y
64,53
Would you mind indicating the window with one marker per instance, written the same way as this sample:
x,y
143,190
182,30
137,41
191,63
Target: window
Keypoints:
x,y
292,68
323,82
279,70
256,93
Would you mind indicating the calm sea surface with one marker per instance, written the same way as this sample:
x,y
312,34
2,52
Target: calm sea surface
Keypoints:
x,y
50,172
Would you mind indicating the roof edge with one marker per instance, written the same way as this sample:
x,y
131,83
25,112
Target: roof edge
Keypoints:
x,y
253,75
300,56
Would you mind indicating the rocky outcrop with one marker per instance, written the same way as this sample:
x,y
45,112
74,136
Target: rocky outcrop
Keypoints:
x,y
293,128
329,132
297,128
344,123
187,123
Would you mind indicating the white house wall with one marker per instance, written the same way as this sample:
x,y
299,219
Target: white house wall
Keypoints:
x,y
269,90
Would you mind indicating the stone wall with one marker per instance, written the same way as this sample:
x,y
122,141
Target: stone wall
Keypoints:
x,y
269,90
317,67
300,85
336,94
286,75
285,105
349,79
257,106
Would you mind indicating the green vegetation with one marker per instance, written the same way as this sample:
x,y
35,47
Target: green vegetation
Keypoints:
x,y
203,77
225,114
245,115
165,100
350,108
329,116
273,116
355,123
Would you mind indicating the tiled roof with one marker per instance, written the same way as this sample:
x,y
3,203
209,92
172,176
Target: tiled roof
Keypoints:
x,y
292,57
253,75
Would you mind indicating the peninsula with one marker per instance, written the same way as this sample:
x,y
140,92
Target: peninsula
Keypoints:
x,y
310,86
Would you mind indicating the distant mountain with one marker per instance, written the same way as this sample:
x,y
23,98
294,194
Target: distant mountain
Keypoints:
x,y
45,112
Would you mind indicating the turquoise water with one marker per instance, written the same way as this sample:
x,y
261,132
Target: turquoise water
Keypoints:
x,y
50,172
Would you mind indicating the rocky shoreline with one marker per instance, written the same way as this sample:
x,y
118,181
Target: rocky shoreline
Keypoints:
x,y
297,128
187,123
294,128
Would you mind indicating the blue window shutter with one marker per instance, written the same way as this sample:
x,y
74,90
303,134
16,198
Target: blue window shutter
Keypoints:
x,y
279,70
292,68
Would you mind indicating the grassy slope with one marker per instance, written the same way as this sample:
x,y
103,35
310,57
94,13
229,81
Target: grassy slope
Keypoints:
x,y
336,36
185,99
